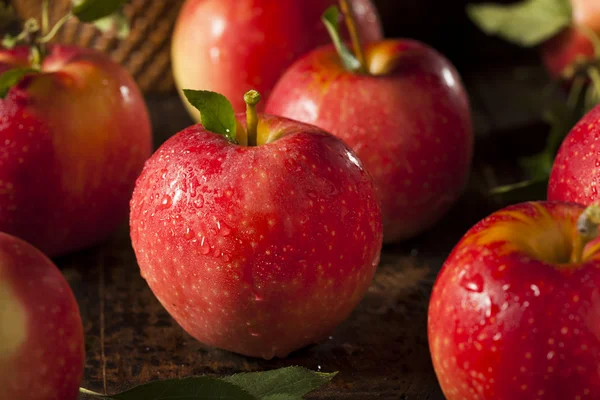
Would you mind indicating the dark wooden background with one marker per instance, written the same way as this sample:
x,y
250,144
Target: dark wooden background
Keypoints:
x,y
381,351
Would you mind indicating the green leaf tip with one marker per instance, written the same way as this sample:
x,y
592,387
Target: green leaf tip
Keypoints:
x,y
527,24
216,112
331,18
11,77
93,10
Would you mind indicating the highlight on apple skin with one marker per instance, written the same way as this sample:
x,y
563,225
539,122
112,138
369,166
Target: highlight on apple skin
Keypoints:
x,y
75,138
259,245
41,335
232,46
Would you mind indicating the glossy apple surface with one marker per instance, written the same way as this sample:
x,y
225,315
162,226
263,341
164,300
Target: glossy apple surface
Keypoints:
x,y
575,175
510,317
72,142
232,46
258,250
41,335
408,121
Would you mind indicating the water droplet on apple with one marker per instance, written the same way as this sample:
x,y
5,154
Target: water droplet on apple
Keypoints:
x,y
165,202
312,194
189,234
225,230
198,202
226,258
254,334
257,297
193,186
472,283
204,247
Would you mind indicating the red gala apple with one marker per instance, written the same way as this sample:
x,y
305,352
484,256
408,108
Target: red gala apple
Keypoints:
x,y
41,335
575,175
232,46
260,241
406,116
515,310
73,139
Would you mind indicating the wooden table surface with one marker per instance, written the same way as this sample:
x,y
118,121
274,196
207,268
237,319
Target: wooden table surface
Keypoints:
x,y
381,351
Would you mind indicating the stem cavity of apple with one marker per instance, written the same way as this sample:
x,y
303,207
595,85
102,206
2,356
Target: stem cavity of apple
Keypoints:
x,y
587,230
252,97
354,35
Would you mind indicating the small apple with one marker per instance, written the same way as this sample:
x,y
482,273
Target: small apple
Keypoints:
x,y
232,46
405,113
515,310
258,236
75,133
575,174
41,334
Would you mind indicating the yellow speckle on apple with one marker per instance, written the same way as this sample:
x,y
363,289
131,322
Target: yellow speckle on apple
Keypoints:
x,y
13,321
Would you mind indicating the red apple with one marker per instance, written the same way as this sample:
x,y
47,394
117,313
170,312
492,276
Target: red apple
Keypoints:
x,y
575,175
232,46
73,140
513,315
41,335
407,118
259,250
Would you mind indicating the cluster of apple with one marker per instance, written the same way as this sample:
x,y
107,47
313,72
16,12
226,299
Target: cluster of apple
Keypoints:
x,y
515,310
260,232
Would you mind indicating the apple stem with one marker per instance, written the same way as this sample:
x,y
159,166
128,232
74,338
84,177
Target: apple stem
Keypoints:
x,y
587,230
354,35
252,97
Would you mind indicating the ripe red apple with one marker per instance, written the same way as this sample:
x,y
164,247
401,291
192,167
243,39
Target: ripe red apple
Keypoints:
x,y
515,310
407,118
73,140
232,46
257,249
575,175
41,335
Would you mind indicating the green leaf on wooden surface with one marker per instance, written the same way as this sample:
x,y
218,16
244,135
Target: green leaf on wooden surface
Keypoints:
x,y
528,23
117,22
199,388
93,10
216,112
290,381
331,18
11,77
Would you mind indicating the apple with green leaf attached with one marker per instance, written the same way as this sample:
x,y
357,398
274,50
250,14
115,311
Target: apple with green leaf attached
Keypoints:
x,y
232,46
401,106
566,32
74,136
515,310
41,335
259,235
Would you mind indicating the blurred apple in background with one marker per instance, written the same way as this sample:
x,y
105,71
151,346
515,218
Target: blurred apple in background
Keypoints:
x,y
41,335
232,46
406,115
75,133
564,30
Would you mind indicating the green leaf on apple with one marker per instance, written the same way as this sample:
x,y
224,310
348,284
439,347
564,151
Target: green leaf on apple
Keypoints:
x,y
289,383
293,382
527,23
331,18
216,112
11,77
93,10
